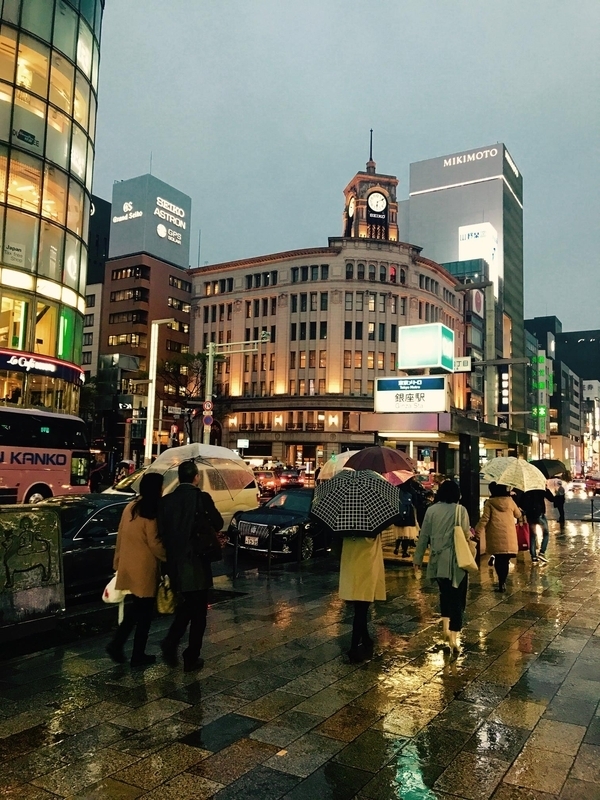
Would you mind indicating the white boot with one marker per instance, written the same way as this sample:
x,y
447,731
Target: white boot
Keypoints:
x,y
446,628
453,641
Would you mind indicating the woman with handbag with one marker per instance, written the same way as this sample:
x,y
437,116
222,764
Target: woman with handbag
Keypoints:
x,y
137,560
500,513
437,531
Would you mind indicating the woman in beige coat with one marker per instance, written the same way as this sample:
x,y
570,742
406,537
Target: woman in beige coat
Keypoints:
x,y
362,580
500,513
137,561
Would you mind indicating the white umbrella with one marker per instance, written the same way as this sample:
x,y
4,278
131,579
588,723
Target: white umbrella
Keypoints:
x,y
335,464
173,456
515,472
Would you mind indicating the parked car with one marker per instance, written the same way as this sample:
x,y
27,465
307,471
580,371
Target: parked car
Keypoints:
x,y
89,525
268,482
287,517
592,484
291,477
577,485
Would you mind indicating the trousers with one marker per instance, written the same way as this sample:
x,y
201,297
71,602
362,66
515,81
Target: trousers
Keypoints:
x,y
360,630
543,524
138,615
453,601
501,563
192,610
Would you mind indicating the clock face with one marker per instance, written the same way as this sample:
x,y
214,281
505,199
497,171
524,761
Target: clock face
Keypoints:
x,y
377,201
351,206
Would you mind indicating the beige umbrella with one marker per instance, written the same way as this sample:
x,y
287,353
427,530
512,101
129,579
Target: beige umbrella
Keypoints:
x,y
336,463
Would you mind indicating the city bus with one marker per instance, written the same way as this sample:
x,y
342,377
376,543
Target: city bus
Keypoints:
x,y
41,455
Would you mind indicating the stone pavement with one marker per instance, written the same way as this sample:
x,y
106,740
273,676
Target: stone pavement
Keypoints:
x,y
276,713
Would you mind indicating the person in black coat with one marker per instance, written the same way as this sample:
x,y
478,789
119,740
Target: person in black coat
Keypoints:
x,y
185,514
533,505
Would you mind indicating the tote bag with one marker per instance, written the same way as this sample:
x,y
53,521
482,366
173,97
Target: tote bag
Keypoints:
x,y
165,597
523,535
465,551
113,595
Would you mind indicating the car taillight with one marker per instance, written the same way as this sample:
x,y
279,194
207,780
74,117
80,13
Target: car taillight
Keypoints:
x,y
284,480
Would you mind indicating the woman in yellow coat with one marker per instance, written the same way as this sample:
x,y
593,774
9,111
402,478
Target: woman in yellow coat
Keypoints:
x,y
362,580
137,560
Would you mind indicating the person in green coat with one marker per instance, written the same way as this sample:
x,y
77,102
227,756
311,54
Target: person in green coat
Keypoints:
x,y
437,532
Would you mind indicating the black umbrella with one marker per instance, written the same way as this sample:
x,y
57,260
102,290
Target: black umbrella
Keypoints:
x,y
356,503
550,467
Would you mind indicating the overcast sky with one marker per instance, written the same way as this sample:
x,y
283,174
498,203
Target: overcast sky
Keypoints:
x,y
261,109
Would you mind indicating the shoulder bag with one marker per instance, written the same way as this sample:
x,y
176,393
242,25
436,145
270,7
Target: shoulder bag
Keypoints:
x,y
165,597
465,551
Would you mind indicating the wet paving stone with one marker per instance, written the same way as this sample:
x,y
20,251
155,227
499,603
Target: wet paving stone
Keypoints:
x,y
497,740
580,790
542,770
330,782
473,775
232,762
261,782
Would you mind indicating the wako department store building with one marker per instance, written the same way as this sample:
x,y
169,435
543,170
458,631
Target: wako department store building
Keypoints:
x,y
49,59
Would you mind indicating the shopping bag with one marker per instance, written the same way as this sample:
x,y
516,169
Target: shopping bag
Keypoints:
x,y
523,535
113,595
465,550
165,597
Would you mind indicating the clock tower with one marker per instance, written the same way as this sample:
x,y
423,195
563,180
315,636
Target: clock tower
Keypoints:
x,y
371,208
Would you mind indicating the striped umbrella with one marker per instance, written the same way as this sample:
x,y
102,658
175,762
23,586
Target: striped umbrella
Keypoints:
x,y
356,503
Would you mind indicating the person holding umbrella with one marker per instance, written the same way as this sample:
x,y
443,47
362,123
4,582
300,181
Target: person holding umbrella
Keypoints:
x,y
438,532
500,513
357,506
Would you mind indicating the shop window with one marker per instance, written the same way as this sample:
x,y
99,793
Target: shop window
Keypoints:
x,y
72,259
8,53
52,243
32,66
29,122
46,318
75,208
65,29
20,240
61,83
58,137
13,322
78,153
25,181
81,107
6,99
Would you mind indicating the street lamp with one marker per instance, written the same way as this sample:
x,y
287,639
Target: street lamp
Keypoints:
x,y
152,364
226,348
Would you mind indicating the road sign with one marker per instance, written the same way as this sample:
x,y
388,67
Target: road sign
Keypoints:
x,y
207,420
173,410
462,364
207,405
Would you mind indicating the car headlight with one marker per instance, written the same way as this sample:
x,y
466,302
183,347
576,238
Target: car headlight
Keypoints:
x,y
233,523
291,531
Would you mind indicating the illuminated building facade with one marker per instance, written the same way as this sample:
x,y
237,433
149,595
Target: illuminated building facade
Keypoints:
x,y
49,60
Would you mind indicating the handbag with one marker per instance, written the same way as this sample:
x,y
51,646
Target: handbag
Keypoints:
x,y
113,595
523,536
165,597
465,550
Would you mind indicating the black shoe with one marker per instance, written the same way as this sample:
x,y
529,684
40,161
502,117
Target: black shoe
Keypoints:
x,y
501,588
116,653
368,648
356,656
169,653
190,666
143,661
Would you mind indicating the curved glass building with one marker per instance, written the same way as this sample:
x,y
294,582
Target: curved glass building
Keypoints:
x,y
49,59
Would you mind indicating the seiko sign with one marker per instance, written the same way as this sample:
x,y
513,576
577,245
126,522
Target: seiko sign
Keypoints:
x,y
478,155
31,363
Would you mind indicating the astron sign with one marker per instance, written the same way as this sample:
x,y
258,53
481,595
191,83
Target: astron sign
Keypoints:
x,y
478,155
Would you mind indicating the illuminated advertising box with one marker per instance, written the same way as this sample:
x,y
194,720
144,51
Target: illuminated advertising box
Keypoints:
x,y
149,216
426,347
427,393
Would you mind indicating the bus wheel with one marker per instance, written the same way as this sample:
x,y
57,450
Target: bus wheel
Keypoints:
x,y
38,493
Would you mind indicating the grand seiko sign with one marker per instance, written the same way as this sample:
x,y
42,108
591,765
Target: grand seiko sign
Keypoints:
x,y
478,155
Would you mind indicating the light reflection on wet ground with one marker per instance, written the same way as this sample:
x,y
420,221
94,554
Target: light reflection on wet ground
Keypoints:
x,y
277,712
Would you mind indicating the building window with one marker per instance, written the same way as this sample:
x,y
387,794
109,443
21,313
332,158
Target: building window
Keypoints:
x,y
348,301
380,361
322,358
303,274
88,321
257,308
213,313
255,334
346,386
303,302
312,359
420,310
263,362
178,283
273,333
403,306
382,274
292,388
370,359
293,359
90,300
246,363
403,277
381,331
266,278
257,281
312,330
131,272
265,306
347,359
392,362
88,339
273,277
273,306
314,272
248,281
392,274
302,360
322,330
293,328
313,301
179,305
349,272
347,330
358,330
302,335
371,333
358,359
321,385
394,304
371,272
360,272
393,333
86,357
372,298
294,298
178,347
360,301
229,310
370,388
381,307
357,386
132,339
133,317
301,387
324,272
255,362
324,301
137,295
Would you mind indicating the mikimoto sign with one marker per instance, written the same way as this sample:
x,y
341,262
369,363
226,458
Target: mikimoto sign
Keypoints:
x,y
410,395
426,347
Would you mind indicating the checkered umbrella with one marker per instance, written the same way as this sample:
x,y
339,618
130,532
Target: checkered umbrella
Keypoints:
x,y
356,503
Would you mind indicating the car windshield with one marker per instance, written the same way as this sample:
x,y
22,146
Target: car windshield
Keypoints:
x,y
291,501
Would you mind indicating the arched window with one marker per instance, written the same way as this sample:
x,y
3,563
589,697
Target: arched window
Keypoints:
x,y
403,276
371,272
360,272
392,274
382,274
349,272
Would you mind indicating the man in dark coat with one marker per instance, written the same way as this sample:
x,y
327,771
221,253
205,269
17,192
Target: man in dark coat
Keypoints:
x,y
185,513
